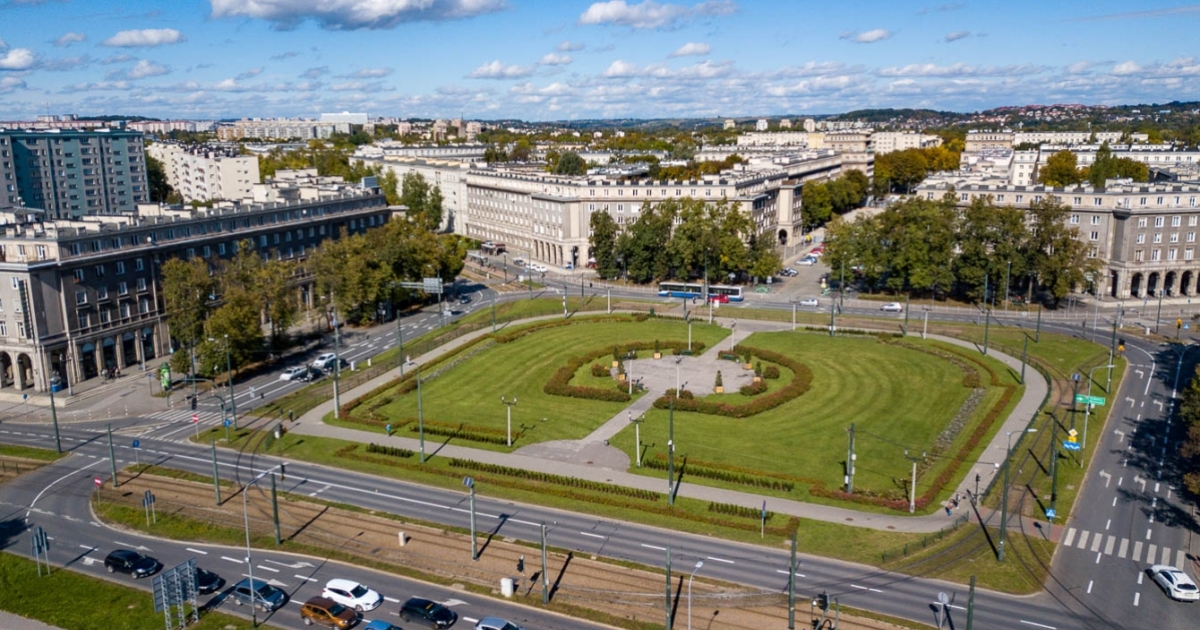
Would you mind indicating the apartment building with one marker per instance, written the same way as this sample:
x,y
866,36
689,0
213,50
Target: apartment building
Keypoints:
x,y
1145,234
773,139
548,217
1074,137
280,129
449,175
206,172
78,297
856,148
890,141
72,173
978,141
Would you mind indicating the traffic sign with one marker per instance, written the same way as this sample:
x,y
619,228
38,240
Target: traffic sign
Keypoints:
x,y
1072,446
98,482
228,422
137,443
1051,513
195,417
1083,399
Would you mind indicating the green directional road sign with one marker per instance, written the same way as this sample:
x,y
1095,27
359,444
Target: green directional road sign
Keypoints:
x,y
1082,399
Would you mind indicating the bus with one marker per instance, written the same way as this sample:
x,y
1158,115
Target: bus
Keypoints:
x,y
695,290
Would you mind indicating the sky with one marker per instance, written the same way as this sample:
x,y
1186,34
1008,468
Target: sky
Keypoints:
x,y
564,60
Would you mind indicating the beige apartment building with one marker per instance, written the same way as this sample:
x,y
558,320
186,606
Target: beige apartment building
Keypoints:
x,y
206,173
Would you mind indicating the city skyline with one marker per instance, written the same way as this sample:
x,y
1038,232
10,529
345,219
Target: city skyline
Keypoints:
x,y
492,59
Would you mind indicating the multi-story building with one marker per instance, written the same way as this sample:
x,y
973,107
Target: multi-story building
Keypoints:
x,y
1145,234
773,139
391,148
729,123
349,118
547,217
855,147
280,129
450,176
988,140
889,141
1074,137
74,173
79,297
762,125
160,127
206,172
9,196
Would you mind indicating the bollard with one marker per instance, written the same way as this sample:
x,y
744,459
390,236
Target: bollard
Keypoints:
x,y
369,361
403,539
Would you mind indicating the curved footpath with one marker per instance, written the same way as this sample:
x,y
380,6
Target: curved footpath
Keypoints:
x,y
592,459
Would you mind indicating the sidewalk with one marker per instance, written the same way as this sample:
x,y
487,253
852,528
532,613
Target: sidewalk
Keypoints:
x,y
9,621
593,460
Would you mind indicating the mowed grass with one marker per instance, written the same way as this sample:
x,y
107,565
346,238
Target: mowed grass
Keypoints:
x,y
470,392
30,452
896,397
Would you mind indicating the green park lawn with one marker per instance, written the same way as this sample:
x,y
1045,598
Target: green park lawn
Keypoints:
x,y
469,393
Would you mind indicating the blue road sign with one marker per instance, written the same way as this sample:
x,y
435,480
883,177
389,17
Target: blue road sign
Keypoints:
x,y
1071,446
228,422
1051,513
137,443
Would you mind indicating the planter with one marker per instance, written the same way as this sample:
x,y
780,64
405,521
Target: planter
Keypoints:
x,y
616,363
747,366
657,355
718,390
621,377
757,379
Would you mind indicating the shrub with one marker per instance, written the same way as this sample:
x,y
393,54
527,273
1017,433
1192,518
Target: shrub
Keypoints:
x,y
391,451
771,372
599,369
656,349
753,389
718,383
799,385
747,358
737,510
560,382
742,478
758,369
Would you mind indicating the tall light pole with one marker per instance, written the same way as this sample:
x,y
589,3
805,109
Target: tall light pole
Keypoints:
x,y
400,335
420,416
671,450
469,482
637,434
699,563
337,362
1004,502
249,562
1087,412
509,404
912,494
54,419
1074,392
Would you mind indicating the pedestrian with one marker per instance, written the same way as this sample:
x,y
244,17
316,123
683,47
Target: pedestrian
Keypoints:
x,y
948,510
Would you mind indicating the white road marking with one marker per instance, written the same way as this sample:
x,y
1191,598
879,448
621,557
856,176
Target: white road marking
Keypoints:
x,y
232,559
203,553
1140,576
1150,553
1089,589
390,599
1083,536
1124,550
715,559
1137,597
1098,556
1137,552
1107,478
1070,537
267,569
1114,502
654,547
1108,546
785,573
591,535
314,580
1097,540
1038,625
1147,533
1120,435
51,484
1107,524
1166,556
1179,558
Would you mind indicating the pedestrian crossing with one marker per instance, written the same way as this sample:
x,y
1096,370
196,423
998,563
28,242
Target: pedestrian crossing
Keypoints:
x,y
1109,545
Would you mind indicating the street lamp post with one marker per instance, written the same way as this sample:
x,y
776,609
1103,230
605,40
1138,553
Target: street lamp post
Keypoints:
x,y
628,374
637,434
249,562
1004,502
469,482
510,404
1074,392
671,450
1087,412
912,494
420,416
54,419
699,563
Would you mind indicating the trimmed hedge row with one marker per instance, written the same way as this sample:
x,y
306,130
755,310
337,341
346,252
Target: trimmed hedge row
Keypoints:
x,y
487,435
753,389
540,477
729,509
658,463
390,451
599,370
801,382
560,382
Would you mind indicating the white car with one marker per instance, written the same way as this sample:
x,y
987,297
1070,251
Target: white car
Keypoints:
x,y
496,623
807,261
1175,582
538,267
892,307
351,594
294,373
810,302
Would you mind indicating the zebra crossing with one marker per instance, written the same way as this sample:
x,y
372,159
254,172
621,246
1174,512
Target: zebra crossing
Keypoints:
x,y
1109,545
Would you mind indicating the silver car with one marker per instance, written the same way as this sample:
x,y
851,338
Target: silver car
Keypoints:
x,y
809,302
892,307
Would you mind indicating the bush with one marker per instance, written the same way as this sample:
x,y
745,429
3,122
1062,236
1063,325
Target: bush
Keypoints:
x,y
771,372
799,385
560,382
753,389
599,369
737,510
541,477
391,451
758,369
718,383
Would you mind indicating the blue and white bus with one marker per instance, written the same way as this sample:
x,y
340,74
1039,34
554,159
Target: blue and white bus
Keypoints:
x,y
694,290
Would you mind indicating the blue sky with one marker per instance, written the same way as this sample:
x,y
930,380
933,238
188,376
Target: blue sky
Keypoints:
x,y
552,60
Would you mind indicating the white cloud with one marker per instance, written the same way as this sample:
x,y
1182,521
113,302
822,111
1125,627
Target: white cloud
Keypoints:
x,y
955,36
70,38
119,58
958,70
1079,67
555,59
354,14
313,73
651,14
249,74
64,64
145,38
569,46
18,59
11,84
1126,68
145,69
691,48
231,85
867,37
497,70
98,86
285,55
621,68
371,73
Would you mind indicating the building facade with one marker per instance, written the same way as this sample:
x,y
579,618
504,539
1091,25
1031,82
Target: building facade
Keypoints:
x,y
206,173
280,129
889,141
73,173
79,297
450,176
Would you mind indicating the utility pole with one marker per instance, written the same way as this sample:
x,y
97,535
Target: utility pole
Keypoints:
x,y
212,442
1074,392
906,300
1024,356
842,289
671,456
420,416
832,327
1158,317
112,458
1007,272
850,462
275,512
668,605
792,586
971,604
470,484
987,321
400,333
1054,464
912,494
1037,335
1112,350
54,419
337,362
545,578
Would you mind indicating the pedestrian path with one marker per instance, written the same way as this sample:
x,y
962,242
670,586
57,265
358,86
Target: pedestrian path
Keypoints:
x,y
1100,543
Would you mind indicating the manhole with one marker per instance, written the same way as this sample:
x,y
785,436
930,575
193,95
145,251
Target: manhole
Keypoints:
x,y
891,527
849,519
589,462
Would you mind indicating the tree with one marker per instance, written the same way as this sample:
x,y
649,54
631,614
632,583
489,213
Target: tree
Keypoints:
x,y
156,178
642,245
603,243
1056,255
424,202
522,150
1061,169
570,163
1106,167
764,259
921,237
817,203
187,290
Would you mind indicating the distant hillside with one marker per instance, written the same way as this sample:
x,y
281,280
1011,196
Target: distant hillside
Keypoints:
x,y
885,115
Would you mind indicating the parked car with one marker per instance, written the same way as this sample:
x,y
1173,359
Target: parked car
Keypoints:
x,y
379,624
428,613
496,623
810,302
464,299
1175,583
326,612
259,593
790,272
131,562
892,307
208,582
352,594
294,373
807,261
538,267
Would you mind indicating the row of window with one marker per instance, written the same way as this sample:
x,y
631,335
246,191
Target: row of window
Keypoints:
x,y
1139,255
105,315
708,192
21,332
1176,221
99,270
1174,237
81,295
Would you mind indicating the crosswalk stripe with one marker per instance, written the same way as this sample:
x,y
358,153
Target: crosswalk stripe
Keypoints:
x,y
1083,536
1097,540
1166,556
1137,551
1070,537
1124,548
1150,555
1108,546
1179,558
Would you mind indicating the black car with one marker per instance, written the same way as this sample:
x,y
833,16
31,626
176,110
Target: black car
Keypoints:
x,y
464,299
208,582
131,562
427,613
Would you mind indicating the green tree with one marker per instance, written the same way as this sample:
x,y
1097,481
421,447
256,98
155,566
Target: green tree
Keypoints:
x,y
570,163
156,179
1061,169
643,244
921,236
764,258
603,241
522,150
816,203
187,286
1056,255
424,202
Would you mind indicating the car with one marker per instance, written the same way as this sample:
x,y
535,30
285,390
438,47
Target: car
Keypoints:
x,y
539,267
520,262
790,272
718,298
496,623
464,299
809,302
352,594
428,613
807,261
208,582
323,360
379,624
1175,583
294,373
131,562
892,307
258,593
323,611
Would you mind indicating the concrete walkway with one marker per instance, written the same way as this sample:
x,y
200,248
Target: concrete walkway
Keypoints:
x,y
9,621
591,459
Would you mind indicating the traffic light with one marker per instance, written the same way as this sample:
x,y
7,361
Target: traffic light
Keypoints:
x,y
521,564
823,601
282,471
1179,323
193,403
